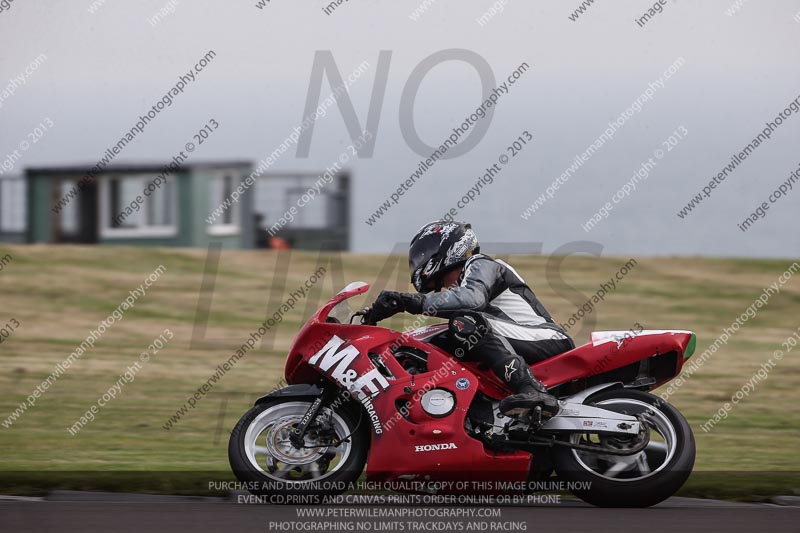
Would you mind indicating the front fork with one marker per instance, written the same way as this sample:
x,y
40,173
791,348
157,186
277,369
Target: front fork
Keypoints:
x,y
297,436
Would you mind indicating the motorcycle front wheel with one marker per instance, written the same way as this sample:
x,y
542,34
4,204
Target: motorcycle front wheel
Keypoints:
x,y
264,459
639,480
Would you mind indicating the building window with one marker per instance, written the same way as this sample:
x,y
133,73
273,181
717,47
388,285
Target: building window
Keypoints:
x,y
69,221
224,212
132,206
13,203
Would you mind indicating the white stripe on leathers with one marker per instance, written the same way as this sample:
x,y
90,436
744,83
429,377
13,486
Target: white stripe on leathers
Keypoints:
x,y
513,331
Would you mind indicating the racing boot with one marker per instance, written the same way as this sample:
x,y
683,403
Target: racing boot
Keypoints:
x,y
529,392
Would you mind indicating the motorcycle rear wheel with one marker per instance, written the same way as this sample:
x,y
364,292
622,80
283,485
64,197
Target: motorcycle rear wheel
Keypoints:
x,y
265,461
638,480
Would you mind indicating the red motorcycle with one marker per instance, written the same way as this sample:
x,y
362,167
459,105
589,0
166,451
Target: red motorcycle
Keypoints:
x,y
421,419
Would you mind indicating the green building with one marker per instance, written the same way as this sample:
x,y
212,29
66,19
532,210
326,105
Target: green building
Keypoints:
x,y
148,205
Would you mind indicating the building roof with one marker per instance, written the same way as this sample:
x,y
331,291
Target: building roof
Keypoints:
x,y
136,167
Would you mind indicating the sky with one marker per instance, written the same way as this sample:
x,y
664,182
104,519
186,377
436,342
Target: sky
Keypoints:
x,y
738,71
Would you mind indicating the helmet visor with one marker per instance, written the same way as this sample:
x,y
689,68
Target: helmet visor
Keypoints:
x,y
422,250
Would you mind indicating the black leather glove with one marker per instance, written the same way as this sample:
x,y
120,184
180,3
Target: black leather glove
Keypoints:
x,y
389,303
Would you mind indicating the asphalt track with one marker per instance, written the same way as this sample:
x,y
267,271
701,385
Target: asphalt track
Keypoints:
x,y
67,512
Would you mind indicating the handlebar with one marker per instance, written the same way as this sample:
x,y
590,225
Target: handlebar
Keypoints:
x,y
365,317
367,314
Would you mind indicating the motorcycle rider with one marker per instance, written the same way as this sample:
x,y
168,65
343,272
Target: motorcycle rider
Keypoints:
x,y
494,316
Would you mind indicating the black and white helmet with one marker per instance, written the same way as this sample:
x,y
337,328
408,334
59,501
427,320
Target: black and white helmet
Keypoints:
x,y
436,248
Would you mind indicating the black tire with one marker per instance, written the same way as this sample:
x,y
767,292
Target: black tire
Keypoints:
x,y
261,479
631,489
